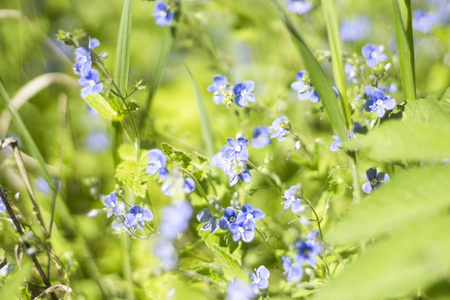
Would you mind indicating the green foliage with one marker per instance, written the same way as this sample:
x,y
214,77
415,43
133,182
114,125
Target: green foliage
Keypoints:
x,y
11,288
131,170
176,157
109,108
123,48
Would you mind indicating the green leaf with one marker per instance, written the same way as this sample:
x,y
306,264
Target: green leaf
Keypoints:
x,y
320,79
403,141
10,288
208,136
176,156
413,258
404,32
131,171
427,111
412,196
123,48
107,108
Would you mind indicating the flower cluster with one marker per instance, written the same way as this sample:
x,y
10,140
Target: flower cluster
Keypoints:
x,y
424,21
293,198
83,67
162,14
374,180
224,92
355,30
305,88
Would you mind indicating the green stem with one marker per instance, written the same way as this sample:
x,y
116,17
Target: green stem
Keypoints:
x,y
269,246
199,188
266,177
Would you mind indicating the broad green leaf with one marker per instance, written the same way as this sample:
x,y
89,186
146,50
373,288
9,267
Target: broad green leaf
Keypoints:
x,y
208,136
11,287
427,111
320,79
413,258
176,156
108,109
404,32
123,48
412,196
131,171
404,141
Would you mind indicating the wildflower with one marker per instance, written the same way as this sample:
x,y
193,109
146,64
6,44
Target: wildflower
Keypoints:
x,y
308,249
242,92
219,84
241,231
84,62
279,128
91,84
2,205
6,269
293,200
157,164
97,141
42,186
355,30
350,70
261,137
93,43
378,101
162,14
294,271
229,217
176,185
122,224
237,150
260,279
305,89
390,88
165,251
175,219
337,144
238,170
138,216
237,290
205,216
249,215
373,54
424,21
219,160
114,206
299,6
374,180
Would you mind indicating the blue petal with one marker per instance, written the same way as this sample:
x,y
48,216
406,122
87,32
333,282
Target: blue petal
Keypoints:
x,y
367,188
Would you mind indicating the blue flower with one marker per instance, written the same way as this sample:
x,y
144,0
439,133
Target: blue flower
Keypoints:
x,y
91,110
6,269
260,279
294,271
229,217
374,180
242,92
308,250
138,216
175,219
93,43
305,89
237,150
205,216
249,215
355,30
122,224
84,62
219,160
177,184
91,84
424,21
337,144
293,200
373,54
238,170
299,6
237,290
97,141
219,84
241,230
165,251
390,88
279,129
378,101
2,205
42,186
157,164
114,206
350,70
261,137
162,14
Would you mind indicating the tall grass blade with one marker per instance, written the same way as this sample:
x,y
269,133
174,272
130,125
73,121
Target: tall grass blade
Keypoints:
x,y
123,48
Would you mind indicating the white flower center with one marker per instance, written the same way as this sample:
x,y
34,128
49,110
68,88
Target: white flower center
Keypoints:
x,y
379,102
138,215
258,280
113,204
241,229
238,148
374,54
249,216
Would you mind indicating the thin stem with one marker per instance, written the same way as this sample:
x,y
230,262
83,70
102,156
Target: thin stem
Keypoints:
x,y
266,177
150,202
269,246
199,188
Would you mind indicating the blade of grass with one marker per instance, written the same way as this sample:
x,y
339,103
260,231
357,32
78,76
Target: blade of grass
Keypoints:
x,y
208,136
403,28
318,75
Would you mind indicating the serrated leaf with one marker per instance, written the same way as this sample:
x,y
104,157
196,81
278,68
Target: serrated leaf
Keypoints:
x,y
131,171
414,258
410,197
175,156
103,107
403,141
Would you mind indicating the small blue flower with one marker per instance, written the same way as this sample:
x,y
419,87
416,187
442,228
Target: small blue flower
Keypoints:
x,y
42,186
355,30
114,206
337,144
373,54
175,219
177,184
162,14
261,137
424,21
93,43
378,101
390,88
91,84
2,205
279,129
121,224
241,231
219,84
165,251
238,170
229,217
97,141
138,216
260,279
157,164
188,185
305,89
374,180
249,215
84,62
205,216
242,92
293,200
219,160
308,250
237,290
350,70
299,6
237,150
294,271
